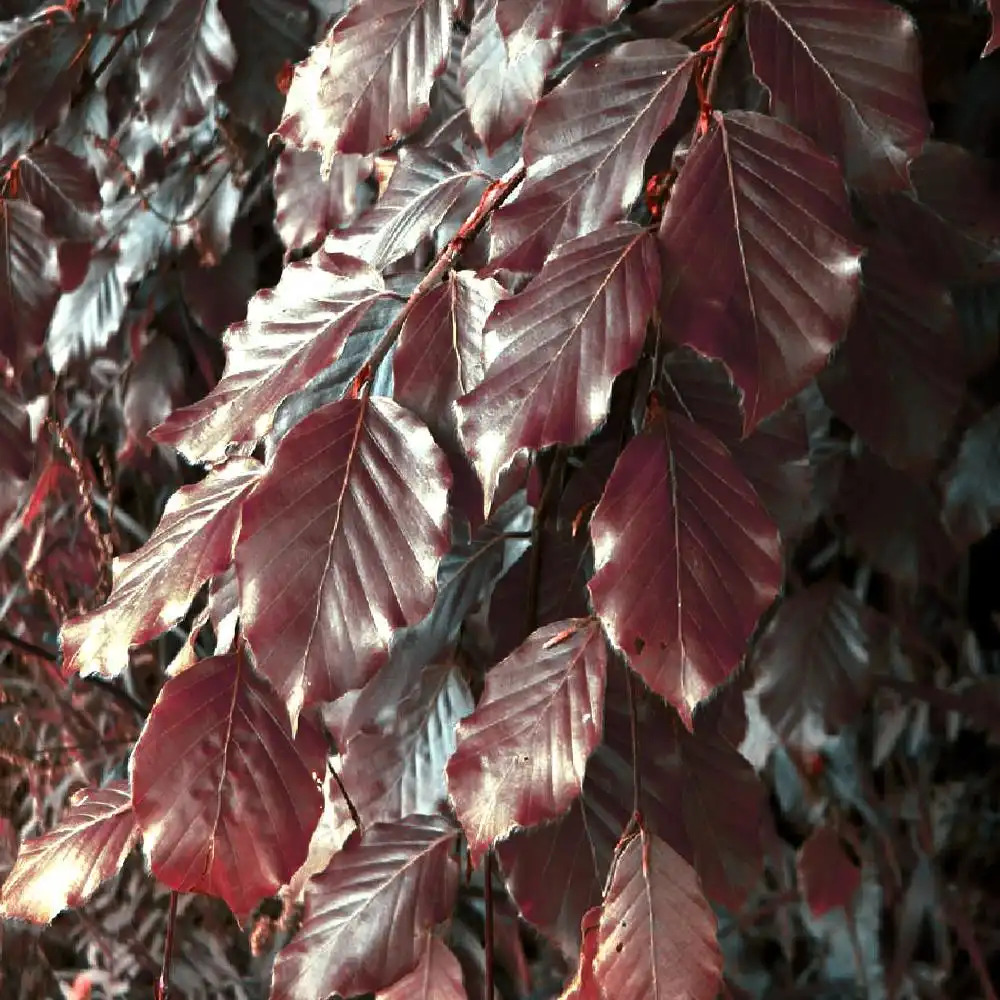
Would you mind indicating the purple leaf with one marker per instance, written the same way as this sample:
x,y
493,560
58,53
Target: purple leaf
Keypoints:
x,y
368,914
189,53
847,74
501,80
657,932
899,378
16,450
307,206
63,187
155,585
63,868
813,663
686,560
585,146
759,267
437,977
369,82
397,769
553,351
424,185
340,546
233,813
828,877
549,17
29,280
440,355
994,40
291,332
520,757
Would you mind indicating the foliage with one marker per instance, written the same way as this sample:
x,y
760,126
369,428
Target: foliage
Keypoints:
x,y
494,497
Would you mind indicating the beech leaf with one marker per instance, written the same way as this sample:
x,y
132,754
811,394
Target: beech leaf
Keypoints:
x,y
63,868
553,351
233,813
291,333
520,757
437,977
340,546
63,187
686,560
155,585
759,269
368,914
369,83
584,148
828,877
189,53
656,939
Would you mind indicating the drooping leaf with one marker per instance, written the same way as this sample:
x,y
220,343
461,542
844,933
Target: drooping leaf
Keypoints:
x,y
899,378
656,939
41,78
63,187
520,757
370,80
847,74
266,35
759,269
307,206
340,545
154,586
291,332
437,977
441,356
189,53
553,351
29,280
828,877
63,868
501,80
813,663
584,148
424,185
395,770
368,914
971,493
553,17
686,560
233,812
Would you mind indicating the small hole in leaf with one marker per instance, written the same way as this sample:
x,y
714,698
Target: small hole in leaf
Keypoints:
x,y
640,644
618,947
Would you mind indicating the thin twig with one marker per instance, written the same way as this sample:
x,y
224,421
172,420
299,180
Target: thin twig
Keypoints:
x,y
163,985
488,900
352,808
633,721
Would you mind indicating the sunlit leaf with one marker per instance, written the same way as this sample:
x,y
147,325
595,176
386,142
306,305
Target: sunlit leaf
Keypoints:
x,y
64,867
437,977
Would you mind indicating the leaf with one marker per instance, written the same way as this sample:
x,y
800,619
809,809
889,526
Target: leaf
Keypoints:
x,y
155,585
899,378
656,939
16,449
759,268
85,319
233,813
686,560
583,986
369,82
397,769
994,40
41,78
813,663
189,53
306,205
63,868
291,332
847,74
61,186
267,34
584,148
424,185
440,355
520,757
368,914
557,15
29,280
502,80
828,877
340,546
971,486
553,351
437,977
